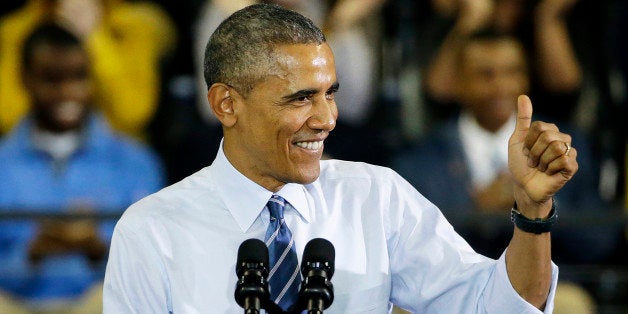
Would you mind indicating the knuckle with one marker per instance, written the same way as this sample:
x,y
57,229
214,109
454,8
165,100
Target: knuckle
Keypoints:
x,y
536,125
545,137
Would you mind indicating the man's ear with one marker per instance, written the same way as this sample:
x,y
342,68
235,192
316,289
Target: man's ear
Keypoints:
x,y
221,101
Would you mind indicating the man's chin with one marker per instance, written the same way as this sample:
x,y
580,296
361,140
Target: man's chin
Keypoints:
x,y
66,126
308,176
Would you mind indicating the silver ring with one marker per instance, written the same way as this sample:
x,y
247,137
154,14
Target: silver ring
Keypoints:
x,y
568,148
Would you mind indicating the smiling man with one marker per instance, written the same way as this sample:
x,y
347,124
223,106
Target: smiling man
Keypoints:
x,y
271,82
63,157
274,134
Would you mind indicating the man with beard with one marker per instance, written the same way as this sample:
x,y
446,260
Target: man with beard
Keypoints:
x,y
63,158
469,155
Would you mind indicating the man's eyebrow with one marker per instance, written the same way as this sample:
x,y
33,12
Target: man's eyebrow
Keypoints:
x,y
334,87
301,93
309,92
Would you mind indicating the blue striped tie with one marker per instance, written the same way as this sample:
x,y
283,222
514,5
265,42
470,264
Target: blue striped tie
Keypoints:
x,y
284,277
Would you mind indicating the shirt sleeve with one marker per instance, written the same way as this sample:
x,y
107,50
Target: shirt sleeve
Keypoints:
x,y
135,279
501,297
434,270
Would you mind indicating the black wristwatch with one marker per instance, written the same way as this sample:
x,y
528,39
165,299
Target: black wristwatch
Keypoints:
x,y
537,225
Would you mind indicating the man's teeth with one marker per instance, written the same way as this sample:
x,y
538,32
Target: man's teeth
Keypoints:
x,y
310,145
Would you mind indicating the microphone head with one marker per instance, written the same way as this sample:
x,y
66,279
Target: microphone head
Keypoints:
x,y
320,250
251,251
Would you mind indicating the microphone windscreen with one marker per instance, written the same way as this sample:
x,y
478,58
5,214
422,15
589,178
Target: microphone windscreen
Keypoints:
x,y
320,250
252,251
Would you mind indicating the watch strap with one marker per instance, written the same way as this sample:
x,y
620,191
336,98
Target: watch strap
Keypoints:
x,y
536,226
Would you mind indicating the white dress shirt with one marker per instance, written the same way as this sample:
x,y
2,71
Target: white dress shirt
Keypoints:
x,y
486,152
175,251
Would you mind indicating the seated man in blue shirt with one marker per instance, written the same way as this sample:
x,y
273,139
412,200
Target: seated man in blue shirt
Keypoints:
x,y
61,158
271,82
469,154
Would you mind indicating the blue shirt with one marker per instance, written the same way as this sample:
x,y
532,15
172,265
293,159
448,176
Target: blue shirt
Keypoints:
x,y
175,251
106,174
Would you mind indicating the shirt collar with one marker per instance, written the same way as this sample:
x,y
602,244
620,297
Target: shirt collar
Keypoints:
x,y
486,152
472,132
58,145
246,199
96,136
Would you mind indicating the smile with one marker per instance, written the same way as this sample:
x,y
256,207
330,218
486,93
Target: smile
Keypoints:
x,y
310,145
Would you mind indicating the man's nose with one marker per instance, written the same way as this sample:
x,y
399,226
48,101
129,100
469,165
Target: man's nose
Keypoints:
x,y
324,115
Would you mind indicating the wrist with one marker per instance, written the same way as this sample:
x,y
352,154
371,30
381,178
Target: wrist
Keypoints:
x,y
533,225
535,206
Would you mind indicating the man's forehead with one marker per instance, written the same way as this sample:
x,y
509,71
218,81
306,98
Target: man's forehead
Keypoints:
x,y
288,57
292,54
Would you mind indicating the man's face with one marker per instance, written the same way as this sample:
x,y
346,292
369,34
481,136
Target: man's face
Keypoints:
x,y
493,74
60,86
281,124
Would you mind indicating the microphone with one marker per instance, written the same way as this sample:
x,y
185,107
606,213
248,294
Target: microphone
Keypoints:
x,y
252,270
317,292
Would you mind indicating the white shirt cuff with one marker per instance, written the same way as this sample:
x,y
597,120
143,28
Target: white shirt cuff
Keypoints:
x,y
501,297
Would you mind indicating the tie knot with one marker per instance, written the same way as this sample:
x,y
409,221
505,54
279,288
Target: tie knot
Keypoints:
x,y
276,205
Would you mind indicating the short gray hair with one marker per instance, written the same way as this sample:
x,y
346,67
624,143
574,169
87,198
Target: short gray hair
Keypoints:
x,y
240,52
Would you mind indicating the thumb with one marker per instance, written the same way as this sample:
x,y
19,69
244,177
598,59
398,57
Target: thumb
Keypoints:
x,y
524,117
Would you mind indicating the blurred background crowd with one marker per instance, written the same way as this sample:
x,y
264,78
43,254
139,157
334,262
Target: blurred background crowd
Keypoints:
x,y
102,102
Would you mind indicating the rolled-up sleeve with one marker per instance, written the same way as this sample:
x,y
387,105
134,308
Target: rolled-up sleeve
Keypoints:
x,y
501,297
434,270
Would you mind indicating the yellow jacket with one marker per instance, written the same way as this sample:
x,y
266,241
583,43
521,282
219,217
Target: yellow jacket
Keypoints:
x,y
125,50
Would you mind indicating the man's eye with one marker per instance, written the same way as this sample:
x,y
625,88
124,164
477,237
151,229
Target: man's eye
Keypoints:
x,y
303,98
330,94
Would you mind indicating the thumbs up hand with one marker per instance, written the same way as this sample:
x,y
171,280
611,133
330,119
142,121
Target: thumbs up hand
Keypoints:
x,y
540,159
